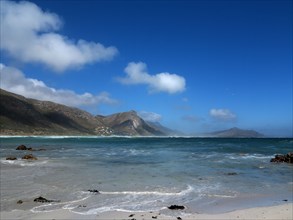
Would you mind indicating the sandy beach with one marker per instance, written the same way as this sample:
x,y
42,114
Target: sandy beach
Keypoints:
x,y
280,212
136,179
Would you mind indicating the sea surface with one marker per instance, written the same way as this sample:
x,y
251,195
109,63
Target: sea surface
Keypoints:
x,y
206,175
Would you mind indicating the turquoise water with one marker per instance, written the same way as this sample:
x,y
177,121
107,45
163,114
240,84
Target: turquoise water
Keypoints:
x,y
146,174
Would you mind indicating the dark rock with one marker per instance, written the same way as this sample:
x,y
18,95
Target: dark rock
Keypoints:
x,y
154,217
43,200
278,159
176,207
290,157
29,157
285,200
19,202
286,158
21,147
11,158
94,191
231,174
178,218
131,215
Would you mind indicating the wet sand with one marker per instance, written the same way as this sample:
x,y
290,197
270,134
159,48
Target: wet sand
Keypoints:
x,y
280,212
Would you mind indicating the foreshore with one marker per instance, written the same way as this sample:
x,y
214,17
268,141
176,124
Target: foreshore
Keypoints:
x,y
89,179
279,212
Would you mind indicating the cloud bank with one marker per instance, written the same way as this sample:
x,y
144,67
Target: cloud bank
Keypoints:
x,y
136,73
222,114
28,34
13,80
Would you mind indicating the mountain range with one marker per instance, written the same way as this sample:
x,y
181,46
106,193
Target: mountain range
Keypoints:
x,y
24,116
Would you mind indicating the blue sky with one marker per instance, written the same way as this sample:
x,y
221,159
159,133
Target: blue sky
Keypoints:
x,y
195,66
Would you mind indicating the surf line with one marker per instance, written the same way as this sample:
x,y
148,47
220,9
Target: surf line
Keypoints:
x,y
66,205
189,189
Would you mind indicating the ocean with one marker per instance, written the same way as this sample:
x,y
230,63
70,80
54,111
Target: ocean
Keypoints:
x,y
206,175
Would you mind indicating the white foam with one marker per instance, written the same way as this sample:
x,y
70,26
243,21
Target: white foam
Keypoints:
x,y
96,210
24,163
135,152
157,193
256,156
144,201
221,196
59,205
112,208
252,156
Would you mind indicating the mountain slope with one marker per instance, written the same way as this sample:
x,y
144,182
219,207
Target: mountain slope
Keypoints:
x,y
23,116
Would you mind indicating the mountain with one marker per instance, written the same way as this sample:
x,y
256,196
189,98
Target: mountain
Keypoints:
x,y
236,133
23,116
129,123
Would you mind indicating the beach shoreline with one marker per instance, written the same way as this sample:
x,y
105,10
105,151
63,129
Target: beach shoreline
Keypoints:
x,y
139,179
280,212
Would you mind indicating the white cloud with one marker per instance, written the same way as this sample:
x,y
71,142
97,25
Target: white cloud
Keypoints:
x,y
161,82
28,34
13,80
150,116
222,114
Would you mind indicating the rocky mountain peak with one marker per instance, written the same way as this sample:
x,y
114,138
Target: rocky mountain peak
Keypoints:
x,y
129,123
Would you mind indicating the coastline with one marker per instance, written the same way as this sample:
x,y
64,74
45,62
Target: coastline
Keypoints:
x,y
135,177
280,212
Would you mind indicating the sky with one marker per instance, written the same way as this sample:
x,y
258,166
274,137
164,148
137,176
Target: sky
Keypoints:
x,y
193,66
